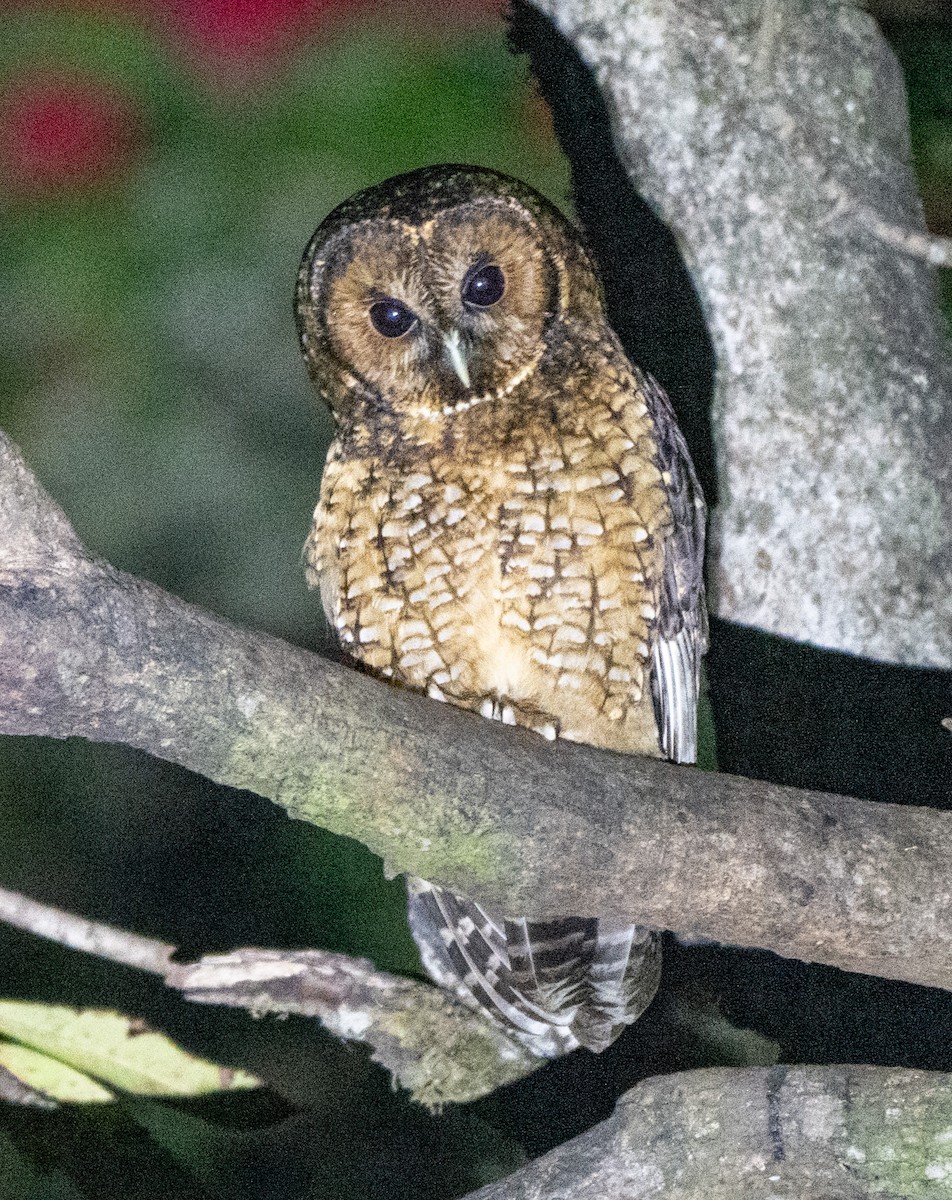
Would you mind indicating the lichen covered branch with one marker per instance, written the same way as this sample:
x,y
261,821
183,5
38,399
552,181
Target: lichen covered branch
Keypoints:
x,y
438,1050
849,1132
497,813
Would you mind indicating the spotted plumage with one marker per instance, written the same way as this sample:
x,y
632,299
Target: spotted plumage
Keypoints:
x,y
509,521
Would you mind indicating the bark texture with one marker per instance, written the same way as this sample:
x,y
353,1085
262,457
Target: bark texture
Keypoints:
x,y
87,651
440,1051
766,135
777,1133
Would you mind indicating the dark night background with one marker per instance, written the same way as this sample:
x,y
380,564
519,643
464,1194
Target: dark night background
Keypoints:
x,y
161,167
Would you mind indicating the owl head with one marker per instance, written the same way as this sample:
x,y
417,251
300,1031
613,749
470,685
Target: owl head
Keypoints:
x,y
436,291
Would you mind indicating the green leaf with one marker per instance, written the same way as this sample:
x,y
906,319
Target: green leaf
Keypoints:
x,y
56,1079
110,1048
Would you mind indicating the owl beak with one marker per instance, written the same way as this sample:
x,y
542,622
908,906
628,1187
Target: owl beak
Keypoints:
x,y
455,357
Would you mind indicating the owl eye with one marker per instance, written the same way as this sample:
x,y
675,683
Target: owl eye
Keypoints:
x,y
391,319
483,286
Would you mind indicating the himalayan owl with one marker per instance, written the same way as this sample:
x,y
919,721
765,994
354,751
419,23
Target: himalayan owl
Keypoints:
x,y
509,521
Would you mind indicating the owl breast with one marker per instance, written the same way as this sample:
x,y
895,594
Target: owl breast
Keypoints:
x,y
510,522
518,578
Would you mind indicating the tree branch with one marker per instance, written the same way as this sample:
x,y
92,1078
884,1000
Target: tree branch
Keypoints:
x,y
821,1132
438,1050
741,124
92,937
87,651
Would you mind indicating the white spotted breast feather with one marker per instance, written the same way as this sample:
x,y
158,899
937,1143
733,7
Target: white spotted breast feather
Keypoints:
x,y
509,521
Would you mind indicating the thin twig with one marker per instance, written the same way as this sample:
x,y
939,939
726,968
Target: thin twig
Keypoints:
x,y
438,1050
79,933
14,1091
929,247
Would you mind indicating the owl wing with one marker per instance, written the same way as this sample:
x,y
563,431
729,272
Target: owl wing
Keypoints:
x,y
682,616
328,527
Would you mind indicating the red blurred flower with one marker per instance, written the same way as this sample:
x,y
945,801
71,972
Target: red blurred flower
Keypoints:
x,y
62,130
238,38
239,35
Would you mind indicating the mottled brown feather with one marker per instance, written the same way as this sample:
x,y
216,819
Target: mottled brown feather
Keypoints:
x,y
528,546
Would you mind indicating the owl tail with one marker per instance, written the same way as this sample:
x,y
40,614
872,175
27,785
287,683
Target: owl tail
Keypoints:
x,y
554,985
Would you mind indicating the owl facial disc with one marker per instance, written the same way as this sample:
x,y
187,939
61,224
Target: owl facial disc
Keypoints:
x,y
437,292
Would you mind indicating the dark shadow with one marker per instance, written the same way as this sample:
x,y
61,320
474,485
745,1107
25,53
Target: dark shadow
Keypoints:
x,y
818,1014
651,300
814,1014
812,718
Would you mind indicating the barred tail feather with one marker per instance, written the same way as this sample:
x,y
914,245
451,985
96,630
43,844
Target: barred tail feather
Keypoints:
x,y
463,951
548,961
622,981
554,984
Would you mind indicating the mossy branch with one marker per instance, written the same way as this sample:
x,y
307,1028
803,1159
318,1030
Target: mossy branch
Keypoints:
x,y
848,1132
496,813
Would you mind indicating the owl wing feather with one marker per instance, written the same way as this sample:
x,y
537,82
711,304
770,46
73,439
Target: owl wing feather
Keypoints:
x,y
466,952
682,615
555,985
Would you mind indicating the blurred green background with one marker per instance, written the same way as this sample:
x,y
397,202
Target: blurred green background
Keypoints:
x,y
160,190
162,166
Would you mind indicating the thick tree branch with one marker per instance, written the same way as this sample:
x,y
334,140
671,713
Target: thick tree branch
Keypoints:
x,y
812,1132
438,1050
744,125
87,651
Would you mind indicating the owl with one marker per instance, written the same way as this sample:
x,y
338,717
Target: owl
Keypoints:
x,y
508,521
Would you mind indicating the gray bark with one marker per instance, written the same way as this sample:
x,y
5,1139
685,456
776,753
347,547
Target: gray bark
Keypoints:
x,y
15,1091
87,651
440,1051
781,1133
764,132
